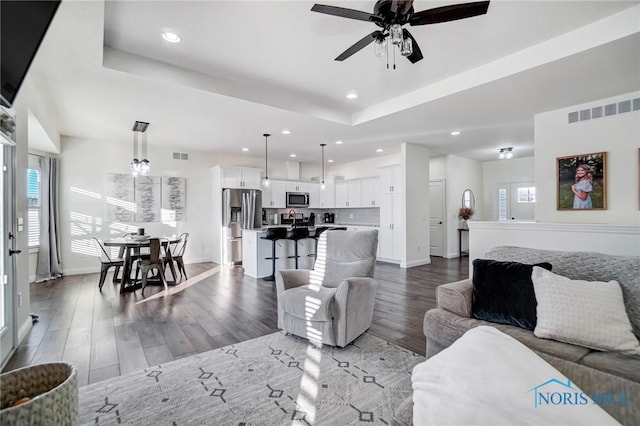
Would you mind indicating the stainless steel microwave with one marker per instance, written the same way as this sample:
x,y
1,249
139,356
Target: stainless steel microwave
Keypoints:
x,y
297,199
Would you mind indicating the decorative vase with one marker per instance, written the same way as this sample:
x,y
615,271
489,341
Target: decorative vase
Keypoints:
x,y
463,224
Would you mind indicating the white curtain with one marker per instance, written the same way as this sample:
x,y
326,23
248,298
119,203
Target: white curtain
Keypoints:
x,y
48,266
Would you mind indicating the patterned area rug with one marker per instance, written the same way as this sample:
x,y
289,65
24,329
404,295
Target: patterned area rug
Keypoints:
x,y
276,379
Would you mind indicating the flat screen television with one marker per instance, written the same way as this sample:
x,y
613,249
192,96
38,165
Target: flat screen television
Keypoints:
x,y
23,25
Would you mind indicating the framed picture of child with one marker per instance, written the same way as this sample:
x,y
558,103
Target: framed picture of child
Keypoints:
x,y
582,182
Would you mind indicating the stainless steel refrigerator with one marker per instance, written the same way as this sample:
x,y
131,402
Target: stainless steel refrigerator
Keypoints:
x,y
241,209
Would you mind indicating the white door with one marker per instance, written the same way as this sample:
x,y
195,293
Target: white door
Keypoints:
x,y
278,195
7,262
523,201
385,235
314,195
436,217
342,194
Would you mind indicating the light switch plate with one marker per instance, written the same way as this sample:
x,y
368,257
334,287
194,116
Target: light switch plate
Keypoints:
x,y
20,221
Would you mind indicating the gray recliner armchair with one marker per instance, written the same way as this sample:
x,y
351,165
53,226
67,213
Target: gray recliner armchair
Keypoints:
x,y
333,303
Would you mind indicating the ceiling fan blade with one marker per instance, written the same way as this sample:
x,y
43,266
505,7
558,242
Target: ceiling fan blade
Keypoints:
x,y
401,6
345,13
359,45
417,54
449,13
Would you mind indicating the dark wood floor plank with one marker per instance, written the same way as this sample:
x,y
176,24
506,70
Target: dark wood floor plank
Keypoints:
x,y
106,333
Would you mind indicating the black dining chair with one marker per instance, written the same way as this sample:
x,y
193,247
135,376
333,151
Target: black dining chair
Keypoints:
x,y
106,262
154,262
177,251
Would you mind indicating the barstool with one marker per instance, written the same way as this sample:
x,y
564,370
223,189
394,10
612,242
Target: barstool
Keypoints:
x,y
274,234
316,236
297,234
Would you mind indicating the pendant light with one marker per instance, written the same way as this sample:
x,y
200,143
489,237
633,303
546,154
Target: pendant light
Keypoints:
x,y
140,167
265,181
322,145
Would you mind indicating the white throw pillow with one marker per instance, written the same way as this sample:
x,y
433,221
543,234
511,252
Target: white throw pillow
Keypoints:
x,y
584,313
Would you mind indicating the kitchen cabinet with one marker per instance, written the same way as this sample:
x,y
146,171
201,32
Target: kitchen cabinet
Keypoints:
x,y
241,178
390,241
275,197
348,193
370,192
297,187
314,195
390,179
327,196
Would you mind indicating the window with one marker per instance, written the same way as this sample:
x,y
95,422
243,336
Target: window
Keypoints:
x,y
502,204
527,195
33,196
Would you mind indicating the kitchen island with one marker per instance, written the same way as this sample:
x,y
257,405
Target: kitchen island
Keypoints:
x,y
255,250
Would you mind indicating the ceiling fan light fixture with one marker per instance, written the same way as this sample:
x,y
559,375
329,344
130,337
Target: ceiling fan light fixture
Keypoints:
x,y
395,31
380,47
406,49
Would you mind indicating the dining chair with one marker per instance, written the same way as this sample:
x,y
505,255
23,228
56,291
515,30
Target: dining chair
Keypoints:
x,y
177,251
156,260
107,262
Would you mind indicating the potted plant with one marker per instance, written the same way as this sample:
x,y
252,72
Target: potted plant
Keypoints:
x,y
465,214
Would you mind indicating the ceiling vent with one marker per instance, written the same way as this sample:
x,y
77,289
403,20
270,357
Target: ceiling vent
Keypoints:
x,y
180,155
604,110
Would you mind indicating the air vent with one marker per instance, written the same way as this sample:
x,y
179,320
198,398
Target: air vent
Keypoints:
x,y
180,155
604,111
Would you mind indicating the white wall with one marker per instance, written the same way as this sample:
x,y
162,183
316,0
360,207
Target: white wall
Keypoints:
x,y
30,100
497,172
617,135
461,173
363,168
415,161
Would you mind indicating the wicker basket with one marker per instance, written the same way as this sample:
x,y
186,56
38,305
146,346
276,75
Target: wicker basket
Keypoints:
x,y
53,389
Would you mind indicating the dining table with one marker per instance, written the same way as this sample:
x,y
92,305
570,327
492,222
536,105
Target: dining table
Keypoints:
x,y
130,245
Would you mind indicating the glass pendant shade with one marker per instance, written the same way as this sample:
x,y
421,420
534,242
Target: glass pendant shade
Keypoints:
x,y
501,155
379,47
145,167
265,182
396,34
134,166
322,186
406,48
509,155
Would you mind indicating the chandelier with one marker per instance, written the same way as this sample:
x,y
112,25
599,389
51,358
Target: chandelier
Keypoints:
x,y
140,167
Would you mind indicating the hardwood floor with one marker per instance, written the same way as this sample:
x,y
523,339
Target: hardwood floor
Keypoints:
x,y
109,334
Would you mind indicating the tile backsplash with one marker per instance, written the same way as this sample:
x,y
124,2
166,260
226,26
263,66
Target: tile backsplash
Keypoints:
x,y
367,216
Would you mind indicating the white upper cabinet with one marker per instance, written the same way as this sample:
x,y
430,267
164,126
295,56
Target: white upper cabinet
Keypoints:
x,y
297,187
315,201
390,179
348,193
370,192
241,178
327,196
275,196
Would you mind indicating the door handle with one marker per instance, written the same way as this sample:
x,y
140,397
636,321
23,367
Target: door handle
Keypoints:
x,y
12,252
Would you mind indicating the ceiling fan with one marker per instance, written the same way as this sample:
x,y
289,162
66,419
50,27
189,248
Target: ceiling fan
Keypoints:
x,y
391,15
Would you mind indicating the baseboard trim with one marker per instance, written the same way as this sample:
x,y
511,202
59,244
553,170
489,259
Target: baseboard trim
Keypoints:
x,y
415,263
24,329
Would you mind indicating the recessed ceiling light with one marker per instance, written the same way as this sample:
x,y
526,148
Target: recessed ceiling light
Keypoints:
x,y
379,150
292,155
330,161
352,95
286,131
245,149
339,142
171,37
455,133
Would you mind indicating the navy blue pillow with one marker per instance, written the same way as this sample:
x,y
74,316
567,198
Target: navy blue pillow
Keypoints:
x,y
503,292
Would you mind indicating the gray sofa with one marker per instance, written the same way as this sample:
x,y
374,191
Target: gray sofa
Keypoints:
x,y
592,371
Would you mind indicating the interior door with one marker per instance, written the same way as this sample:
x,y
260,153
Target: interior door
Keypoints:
x,y
436,217
7,275
522,201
